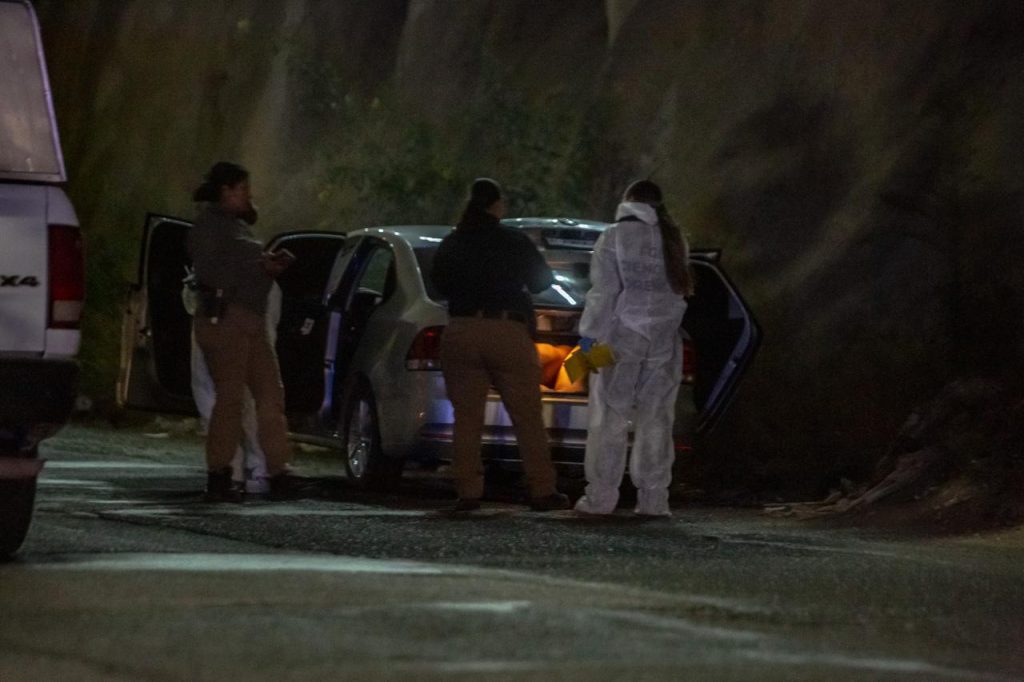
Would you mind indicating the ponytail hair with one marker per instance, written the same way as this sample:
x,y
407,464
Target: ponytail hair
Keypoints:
x,y
673,245
676,252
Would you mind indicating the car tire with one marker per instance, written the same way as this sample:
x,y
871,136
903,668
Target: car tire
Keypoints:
x,y
17,497
365,462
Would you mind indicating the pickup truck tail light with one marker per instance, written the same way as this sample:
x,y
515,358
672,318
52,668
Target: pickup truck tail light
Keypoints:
x,y
425,352
67,277
689,362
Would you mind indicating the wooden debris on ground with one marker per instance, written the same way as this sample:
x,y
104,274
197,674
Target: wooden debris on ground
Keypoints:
x,y
972,427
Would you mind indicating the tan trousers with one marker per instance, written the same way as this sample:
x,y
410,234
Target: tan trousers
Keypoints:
x,y
476,353
239,354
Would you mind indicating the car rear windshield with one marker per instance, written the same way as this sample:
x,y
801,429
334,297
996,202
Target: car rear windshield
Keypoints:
x,y
571,270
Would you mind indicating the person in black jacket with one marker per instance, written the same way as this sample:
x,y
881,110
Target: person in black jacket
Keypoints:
x,y
485,270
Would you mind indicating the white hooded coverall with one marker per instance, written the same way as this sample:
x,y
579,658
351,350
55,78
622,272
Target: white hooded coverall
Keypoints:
x,y
632,307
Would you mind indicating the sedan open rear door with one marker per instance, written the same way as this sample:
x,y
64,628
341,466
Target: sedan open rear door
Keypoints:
x,y
154,371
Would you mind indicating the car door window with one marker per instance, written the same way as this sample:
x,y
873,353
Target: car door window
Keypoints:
x,y
378,277
368,281
374,286
343,262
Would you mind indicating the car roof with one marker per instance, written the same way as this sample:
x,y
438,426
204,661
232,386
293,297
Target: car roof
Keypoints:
x,y
409,233
434,233
555,223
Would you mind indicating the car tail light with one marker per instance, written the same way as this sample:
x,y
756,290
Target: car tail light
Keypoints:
x,y
67,277
425,352
689,362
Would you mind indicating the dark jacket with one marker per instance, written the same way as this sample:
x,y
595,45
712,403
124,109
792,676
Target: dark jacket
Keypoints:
x,y
227,256
485,266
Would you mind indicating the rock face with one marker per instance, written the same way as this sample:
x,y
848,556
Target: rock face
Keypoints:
x,y
858,161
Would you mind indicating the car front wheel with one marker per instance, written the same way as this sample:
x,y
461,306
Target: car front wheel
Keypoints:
x,y
365,463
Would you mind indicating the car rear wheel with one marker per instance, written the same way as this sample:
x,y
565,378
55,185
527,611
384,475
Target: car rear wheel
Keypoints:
x,y
365,463
17,497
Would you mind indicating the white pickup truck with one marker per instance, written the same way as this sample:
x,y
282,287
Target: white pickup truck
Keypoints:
x,y
42,273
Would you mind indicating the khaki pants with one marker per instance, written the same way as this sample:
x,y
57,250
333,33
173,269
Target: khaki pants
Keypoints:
x,y
476,353
239,354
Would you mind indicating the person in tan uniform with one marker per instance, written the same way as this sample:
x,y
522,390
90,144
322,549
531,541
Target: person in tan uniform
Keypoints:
x,y
234,276
484,270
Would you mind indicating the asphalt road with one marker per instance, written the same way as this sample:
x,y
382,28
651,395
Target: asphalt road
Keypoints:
x,y
128,575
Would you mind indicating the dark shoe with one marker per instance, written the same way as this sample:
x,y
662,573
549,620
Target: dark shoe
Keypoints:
x,y
552,502
220,487
284,486
464,505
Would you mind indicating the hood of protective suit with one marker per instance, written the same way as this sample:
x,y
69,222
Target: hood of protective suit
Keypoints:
x,y
644,212
629,287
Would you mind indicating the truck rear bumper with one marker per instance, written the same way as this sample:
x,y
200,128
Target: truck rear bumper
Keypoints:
x,y
19,467
37,396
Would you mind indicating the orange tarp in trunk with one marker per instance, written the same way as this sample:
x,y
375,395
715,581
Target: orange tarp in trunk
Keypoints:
x,y
553,374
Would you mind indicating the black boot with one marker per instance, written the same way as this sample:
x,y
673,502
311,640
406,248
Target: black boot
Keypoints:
x,y
220,487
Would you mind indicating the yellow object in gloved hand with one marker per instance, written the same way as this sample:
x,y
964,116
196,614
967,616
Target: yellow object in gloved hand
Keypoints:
x,y
563,384
581,362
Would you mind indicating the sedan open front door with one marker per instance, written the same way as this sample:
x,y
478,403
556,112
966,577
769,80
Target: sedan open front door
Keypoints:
x,y
302,325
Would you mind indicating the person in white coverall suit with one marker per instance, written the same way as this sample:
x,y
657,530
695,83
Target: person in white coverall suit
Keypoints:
x,y
640,279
